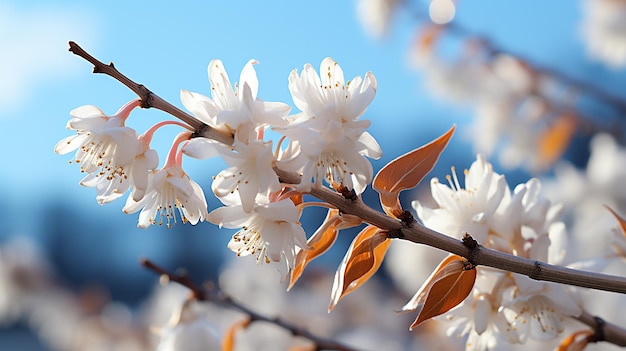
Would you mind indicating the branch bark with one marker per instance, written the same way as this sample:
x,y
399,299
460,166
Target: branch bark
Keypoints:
x,y
223,300
479,256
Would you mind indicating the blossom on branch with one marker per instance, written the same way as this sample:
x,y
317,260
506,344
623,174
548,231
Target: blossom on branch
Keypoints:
x,y
189,330
478,319
237,110
469,209
251,173
270,232
109,152
332,142
520,222
604,31
169,190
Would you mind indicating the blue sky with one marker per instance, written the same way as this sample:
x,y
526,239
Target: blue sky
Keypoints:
x,y
167,47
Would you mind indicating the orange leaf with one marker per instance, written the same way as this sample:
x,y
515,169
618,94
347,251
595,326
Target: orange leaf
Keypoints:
x,y
362,260
296,199
575,342
228,344
428,38
323,238
449,284
622,221
554,140
406,172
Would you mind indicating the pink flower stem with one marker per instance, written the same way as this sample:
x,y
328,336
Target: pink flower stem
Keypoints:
x,y
146,137
125,110
174,157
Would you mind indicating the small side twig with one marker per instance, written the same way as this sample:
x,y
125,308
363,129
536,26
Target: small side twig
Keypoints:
x,y
203,294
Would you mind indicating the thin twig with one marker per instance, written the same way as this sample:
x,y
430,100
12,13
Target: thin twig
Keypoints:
x,y
201,294
150,99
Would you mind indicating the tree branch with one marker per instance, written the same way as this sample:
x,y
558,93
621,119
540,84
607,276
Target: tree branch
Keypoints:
x,y
413,232
220,299
150,99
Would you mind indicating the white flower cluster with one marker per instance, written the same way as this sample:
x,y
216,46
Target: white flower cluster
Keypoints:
x,y
604,31
504,307
518,112
327,142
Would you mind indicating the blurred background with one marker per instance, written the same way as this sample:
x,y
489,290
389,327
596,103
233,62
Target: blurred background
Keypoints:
x,y
529,84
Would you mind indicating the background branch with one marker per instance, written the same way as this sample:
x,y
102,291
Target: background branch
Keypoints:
x,y
456,28
586,120
219,298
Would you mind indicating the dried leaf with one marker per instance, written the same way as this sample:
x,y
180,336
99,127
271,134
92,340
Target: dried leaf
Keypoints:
x,y
296,198
620,219
554,140
406,172
575,342
308,347
427,38
323,238
449,284
228,343
364,257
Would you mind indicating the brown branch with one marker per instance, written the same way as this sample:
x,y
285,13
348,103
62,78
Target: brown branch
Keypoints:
x,y
479,255
150,99
608,332
220,299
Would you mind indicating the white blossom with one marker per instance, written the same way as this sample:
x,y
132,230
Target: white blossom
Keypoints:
x,y
537,310
235,109
169,190
468,209
604,31
376,15
109,152
189,330
251,173
504,306
332,141
270,232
